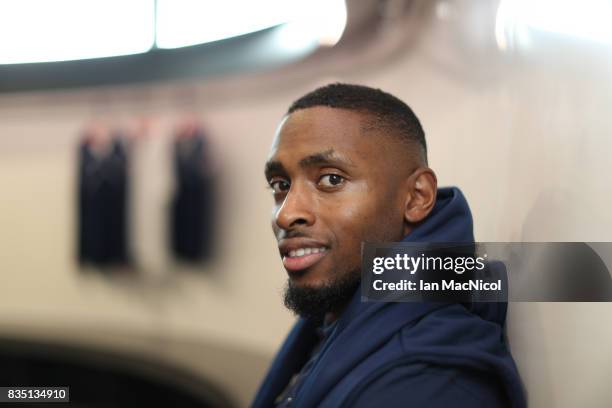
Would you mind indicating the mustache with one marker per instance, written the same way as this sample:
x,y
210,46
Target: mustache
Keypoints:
x,y
292,234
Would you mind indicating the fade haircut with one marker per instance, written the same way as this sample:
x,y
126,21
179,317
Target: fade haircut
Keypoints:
x,y
385,111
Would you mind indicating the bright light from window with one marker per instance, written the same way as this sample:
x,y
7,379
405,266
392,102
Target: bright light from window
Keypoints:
x,y
59,30
329,21
182,23
585,19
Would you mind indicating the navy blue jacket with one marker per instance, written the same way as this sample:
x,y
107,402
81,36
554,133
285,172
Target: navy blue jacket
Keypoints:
x,y
405,354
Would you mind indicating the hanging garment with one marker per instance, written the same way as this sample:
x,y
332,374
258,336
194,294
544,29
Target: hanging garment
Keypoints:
x,y
102,197
193,203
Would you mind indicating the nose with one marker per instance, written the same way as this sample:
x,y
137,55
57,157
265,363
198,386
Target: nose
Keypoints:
x,y
297,209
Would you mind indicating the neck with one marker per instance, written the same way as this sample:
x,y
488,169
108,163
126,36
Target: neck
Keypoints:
x,y
334,315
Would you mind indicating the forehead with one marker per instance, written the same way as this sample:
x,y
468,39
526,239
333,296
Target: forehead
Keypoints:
x,y
318,129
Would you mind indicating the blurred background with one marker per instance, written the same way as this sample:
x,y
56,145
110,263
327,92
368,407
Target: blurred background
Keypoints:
x,y
126,127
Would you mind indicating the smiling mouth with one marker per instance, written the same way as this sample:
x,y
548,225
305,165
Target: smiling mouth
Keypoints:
x,y
302,258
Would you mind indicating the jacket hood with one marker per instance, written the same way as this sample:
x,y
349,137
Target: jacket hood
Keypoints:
x,y
449,221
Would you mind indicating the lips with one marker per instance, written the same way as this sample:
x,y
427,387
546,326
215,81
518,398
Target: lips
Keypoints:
x,y
300,262
300,253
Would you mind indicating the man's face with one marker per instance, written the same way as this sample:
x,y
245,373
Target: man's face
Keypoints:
x,y
335,186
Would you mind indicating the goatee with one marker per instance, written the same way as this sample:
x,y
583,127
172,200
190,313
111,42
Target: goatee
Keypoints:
x,y
314,302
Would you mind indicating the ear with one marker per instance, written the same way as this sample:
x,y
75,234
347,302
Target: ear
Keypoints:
x,y
421,191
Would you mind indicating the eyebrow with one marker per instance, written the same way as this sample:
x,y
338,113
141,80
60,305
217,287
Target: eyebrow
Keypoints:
x,y
274,167
327,157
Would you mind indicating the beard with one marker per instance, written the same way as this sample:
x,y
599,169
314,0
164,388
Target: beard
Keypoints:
x,y
314,302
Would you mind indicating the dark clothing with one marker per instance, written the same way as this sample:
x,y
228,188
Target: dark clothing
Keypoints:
x,y
102,205
192,206
286,397
404,354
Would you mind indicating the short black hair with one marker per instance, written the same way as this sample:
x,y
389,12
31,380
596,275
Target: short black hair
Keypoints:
x,y
386,110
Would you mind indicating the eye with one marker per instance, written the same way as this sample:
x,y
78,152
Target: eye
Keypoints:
x,y
279,186
331,180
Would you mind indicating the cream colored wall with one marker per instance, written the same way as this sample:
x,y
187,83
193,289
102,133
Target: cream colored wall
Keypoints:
x,y
234,300
526,136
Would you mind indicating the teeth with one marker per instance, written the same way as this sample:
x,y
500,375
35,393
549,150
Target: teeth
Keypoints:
x,y
305,251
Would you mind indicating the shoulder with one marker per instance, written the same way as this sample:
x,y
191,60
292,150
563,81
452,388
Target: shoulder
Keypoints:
x,y
419,385
452,327
449,357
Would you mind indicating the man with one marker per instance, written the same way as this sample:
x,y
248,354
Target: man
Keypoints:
x,y
349,165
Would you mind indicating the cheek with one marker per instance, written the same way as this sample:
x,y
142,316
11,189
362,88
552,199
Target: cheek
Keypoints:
x,y
354,222
273,221
366,220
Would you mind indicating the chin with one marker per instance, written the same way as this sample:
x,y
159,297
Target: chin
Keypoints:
x,y
307,278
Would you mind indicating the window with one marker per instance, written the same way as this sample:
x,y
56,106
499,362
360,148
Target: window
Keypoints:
x,y
60,30
63,30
